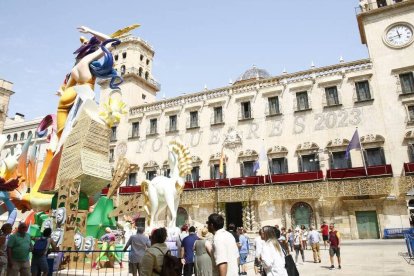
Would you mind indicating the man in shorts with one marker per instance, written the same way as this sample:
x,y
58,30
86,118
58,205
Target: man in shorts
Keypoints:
x,y
334,246
325,233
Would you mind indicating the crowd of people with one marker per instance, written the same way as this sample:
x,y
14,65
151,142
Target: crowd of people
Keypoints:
x,y
210,251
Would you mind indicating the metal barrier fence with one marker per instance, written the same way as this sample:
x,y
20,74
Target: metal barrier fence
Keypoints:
x,y
108,262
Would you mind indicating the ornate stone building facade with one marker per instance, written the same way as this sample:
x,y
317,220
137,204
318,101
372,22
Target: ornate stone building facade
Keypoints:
x,y
6,90
284,137
295,127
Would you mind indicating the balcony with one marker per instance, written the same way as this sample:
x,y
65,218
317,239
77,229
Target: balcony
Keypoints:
x,y
124,190
409,168
372,171
295,177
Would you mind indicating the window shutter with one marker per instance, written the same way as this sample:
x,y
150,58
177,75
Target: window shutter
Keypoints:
x,y
366,158
382,154
300,169
224,171
212,171
241,169
286,168
331,161
349,163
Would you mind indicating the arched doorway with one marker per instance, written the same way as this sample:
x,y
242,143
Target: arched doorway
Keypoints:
x,y
182,217
302,214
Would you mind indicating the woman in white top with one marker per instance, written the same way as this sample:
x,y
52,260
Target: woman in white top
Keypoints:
x,y
272,255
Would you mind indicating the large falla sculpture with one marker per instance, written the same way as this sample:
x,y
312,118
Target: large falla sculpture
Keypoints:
x,y
76,165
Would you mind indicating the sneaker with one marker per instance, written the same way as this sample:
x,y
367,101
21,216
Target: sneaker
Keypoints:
x,y
332,267
339,267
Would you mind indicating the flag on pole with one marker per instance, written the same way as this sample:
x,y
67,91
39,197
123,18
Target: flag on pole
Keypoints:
x,y
221,164
353,144
256,166
262,159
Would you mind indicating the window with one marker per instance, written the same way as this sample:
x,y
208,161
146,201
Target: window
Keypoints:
x,y
193,119
29,134
8,137
381,3
273,105
22,136
15,137
148,62
135,130
195,174
362,91
338,160
132,179
411,153
279,165
111,155
113,133
302,101
141,57
331,96
124,55
247,168
407,82
140,71
143,96
167,172
153,126
410,113
151,174
218,115
116,57
374,157
122,69
308,163
215,172
173,123
146,75
246,110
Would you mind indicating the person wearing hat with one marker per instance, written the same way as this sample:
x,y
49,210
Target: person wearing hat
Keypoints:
x,y
297,245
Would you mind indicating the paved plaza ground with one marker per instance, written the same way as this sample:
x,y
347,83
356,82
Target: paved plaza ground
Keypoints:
x,y
359,257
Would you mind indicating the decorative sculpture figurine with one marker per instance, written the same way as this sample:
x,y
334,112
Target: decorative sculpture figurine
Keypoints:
x,y
163,191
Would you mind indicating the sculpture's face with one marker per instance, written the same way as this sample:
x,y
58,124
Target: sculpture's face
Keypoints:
x,y
56,236
60,215
88,244
78,241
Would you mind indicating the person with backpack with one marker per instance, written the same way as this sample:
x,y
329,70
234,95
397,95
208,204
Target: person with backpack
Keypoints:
x,y
18,252
39,254
158,260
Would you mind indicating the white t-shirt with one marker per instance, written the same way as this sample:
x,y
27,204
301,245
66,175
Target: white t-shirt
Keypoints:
x,y
258,242
225,251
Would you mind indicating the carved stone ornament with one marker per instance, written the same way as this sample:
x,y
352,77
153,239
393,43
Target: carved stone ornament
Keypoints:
x,y
195,160
165,165
277,151
372,140
232,139
338,143
121,149
215,158
409,135
307,147
247,155
150,166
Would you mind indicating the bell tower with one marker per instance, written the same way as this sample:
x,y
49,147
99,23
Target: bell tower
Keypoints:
x,y
133,60
386,27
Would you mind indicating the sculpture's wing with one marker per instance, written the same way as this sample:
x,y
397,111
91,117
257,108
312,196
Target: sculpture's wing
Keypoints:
x,y
124,30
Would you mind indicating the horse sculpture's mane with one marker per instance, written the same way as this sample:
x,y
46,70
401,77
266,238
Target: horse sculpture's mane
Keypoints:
x,y
184,158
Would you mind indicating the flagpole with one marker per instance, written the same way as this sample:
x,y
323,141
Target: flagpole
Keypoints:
x,y
362,155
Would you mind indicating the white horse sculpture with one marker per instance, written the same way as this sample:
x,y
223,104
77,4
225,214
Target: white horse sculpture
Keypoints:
x,y
163,191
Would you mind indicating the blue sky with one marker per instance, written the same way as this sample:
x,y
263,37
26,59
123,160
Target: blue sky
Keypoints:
x,y
196,43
